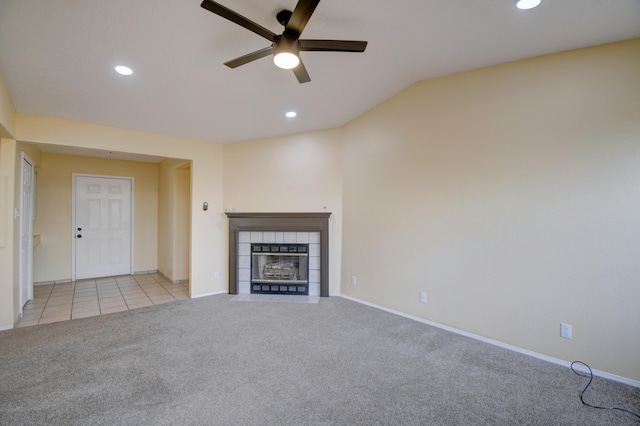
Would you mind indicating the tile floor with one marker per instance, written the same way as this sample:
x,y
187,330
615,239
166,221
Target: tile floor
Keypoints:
x,y
88,298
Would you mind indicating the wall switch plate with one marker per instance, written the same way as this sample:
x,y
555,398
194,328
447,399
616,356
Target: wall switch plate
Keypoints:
x,y
354,281
423,297
216,275
565,330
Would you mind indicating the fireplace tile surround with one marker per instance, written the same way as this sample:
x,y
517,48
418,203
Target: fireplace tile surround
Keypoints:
x,y
245,238
306,228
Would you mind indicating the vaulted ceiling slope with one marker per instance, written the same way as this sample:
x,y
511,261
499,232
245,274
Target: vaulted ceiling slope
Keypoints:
x,y
57,57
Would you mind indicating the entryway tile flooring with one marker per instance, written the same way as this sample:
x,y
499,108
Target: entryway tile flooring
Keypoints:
x,y
88,298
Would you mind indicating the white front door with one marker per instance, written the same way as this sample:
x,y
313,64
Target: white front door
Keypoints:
x,y
102,226
26,232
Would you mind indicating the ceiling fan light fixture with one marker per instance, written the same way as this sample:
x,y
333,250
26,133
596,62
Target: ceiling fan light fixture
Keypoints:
x,y
527,4
286,60
285,52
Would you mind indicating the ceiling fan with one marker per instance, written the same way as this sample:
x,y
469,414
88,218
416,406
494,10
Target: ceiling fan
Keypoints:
x,y
285,47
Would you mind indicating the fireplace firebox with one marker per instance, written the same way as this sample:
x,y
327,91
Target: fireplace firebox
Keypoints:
x,y
280,268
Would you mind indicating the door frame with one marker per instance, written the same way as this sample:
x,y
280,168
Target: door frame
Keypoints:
x,y
28,216
73,217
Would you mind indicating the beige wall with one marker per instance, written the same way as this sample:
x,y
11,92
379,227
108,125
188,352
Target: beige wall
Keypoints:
x,y
7,112
298,173
510,195
52,258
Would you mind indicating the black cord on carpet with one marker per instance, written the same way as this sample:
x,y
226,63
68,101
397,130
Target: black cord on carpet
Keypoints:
x,y
590,376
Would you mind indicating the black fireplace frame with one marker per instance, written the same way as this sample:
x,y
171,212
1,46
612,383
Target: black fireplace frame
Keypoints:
x,y
283,280
279,222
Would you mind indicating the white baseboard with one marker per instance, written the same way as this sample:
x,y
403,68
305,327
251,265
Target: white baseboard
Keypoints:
x,y
6,327
197,296
603,374
151,271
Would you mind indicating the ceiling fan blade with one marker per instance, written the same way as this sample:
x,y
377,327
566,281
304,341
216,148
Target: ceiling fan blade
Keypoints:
x,y
234,63
232,16
301,14
332,45
301,73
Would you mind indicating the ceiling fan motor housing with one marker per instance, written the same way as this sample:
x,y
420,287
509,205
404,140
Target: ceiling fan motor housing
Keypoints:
x,y
286,43
283,17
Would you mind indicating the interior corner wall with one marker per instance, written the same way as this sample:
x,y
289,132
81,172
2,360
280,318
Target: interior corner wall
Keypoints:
x,y
296,173
174,219
510,195
165,217
7,190
8,152
181,222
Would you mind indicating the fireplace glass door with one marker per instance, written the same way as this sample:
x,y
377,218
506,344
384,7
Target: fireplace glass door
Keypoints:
x,y
280,268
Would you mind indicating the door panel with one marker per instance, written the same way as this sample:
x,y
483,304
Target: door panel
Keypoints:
x,y
26,233
102,226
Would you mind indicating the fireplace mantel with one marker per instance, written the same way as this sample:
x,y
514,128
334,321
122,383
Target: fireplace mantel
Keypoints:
x,y
279,222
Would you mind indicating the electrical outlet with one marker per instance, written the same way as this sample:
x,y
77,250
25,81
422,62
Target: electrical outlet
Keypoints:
x,y
423,297
565,330
354,281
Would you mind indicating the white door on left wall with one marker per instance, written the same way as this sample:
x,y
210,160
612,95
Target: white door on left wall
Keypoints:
x,y
102,226
26,232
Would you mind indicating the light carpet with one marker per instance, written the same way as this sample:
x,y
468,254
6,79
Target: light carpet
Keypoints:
x,y
211,361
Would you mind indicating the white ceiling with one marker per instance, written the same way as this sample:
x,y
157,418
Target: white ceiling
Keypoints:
x,y
57,57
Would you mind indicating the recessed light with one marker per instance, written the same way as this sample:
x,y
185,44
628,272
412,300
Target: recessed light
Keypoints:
x,y
527,4
121,69
291,114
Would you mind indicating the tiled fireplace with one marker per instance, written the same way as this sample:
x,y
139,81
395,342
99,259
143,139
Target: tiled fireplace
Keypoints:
x,y
272,262
279,253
